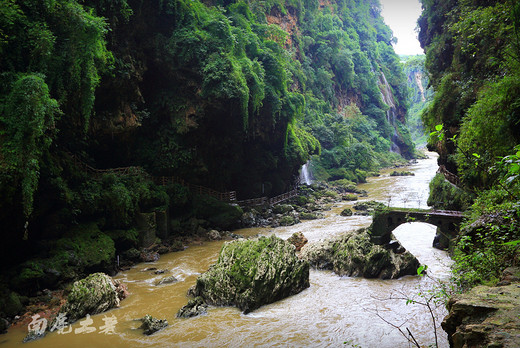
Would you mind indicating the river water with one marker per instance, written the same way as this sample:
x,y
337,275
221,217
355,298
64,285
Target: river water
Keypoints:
x,y
335,311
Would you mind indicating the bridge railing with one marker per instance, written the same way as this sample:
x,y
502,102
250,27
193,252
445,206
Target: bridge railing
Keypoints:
x,y
268,201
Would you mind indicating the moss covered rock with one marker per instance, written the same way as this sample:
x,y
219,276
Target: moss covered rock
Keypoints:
x,y
94,294
82,250
484,317
151,325
194,307
346,212
251,273
298,240
353,254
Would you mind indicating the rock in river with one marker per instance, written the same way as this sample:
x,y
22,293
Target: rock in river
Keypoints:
x,y
194,307
254,272
94,294
151,325
353,254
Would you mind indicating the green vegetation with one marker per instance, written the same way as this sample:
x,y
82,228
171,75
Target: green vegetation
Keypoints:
x,y
473,57
251,273
421,96
230,95
444,195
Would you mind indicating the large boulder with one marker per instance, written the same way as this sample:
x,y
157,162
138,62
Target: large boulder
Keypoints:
x,y
353,254
94,294
254,272
484,317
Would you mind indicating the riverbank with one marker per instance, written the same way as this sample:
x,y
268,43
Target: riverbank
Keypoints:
x,y
313,318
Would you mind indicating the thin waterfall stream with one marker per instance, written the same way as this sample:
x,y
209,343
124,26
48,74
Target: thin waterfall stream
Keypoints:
x,y
334,311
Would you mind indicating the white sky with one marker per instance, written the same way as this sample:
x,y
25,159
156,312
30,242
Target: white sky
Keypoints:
x,y
401,16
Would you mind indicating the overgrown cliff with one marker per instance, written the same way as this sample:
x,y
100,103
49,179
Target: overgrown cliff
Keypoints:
x,y
473,58
230,95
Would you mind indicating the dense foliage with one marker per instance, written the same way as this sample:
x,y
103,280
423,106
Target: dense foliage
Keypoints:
x,y
473,56
421,95
232,95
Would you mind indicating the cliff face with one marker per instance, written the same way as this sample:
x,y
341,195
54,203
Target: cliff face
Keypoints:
x,y
217,95
231,95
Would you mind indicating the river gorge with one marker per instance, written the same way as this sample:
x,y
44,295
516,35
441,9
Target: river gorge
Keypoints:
x,y
334,311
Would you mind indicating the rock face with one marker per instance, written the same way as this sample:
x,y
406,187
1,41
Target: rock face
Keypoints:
x,y
298,240
251,273
485,316
94,294
353,254
194,307
151,325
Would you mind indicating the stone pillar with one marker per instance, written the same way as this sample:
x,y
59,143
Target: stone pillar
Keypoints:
x,y
146,226
441,240
161,217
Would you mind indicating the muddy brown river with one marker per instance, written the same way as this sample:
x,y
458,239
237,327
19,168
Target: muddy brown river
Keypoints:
x,y
334,312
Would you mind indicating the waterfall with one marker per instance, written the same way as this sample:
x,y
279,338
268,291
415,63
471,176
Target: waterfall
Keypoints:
x,y
388,98
306,174
391,113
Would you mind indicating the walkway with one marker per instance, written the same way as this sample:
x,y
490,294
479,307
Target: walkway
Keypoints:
x,y
230,197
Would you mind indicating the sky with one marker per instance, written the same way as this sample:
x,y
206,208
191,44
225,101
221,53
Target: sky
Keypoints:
x,y
401,16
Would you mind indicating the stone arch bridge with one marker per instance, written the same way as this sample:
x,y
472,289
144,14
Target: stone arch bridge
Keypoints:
x,y
387,220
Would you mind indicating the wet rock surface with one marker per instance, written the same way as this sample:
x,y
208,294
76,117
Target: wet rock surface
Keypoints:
x,y
151,325
167,280
251,273
94,294
352,254
298,240
194,308
486,316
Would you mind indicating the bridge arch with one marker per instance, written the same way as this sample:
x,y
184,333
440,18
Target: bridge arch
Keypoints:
x,y
387,220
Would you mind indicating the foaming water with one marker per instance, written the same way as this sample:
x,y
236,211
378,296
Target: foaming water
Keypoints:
x,y
333,311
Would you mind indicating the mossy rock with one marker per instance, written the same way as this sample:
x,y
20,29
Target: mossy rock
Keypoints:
x,y
151,325
308,216
89,246
251,273
301,200
346,212
94,294
349,197
124,239
282,208
353,254
287,220
10,304
194,308
82,249
402,173
369,206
